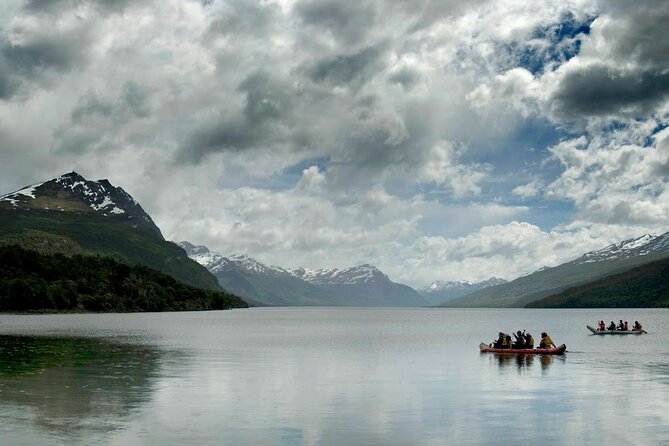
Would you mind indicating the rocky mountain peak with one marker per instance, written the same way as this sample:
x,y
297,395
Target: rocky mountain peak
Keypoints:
x,y
71,192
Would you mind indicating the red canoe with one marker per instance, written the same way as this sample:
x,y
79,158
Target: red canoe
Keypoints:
x,y
559,350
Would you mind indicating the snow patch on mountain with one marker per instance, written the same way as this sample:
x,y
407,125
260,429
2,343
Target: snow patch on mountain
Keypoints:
x,y
445,286
14,197
215,262
348,276
641,246
63,193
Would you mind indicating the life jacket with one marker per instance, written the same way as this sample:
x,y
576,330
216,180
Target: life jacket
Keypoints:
x,y
545,342
529,343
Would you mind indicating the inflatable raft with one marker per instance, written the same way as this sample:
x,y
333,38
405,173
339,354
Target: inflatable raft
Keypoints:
x,y
615,332
559,350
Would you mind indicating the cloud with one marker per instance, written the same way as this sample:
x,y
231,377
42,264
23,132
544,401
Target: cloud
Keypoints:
x,y
615,177
265,118
529,190
57,6
239,18
97,120
348,22
599,89
352,69
621,70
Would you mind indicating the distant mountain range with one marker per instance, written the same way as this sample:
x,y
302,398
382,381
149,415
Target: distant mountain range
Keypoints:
x,y
260,284
72,215
592,266
439,292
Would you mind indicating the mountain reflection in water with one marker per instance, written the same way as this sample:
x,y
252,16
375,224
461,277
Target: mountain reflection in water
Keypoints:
x,y
73,386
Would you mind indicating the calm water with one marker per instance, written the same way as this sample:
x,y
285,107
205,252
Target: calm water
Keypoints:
x,y
329,377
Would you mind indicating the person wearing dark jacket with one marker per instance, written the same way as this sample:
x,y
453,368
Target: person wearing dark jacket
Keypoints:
x,y
520,340
529,341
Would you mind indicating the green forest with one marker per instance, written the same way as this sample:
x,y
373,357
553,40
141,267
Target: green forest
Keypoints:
x,y
645,286
32,281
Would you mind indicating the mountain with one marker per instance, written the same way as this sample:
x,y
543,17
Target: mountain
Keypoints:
x,y
72,215
640,287
73,193
257,283
615,258
439,292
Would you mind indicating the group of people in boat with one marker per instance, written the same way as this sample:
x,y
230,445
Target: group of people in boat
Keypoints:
x,y
622,326
522,341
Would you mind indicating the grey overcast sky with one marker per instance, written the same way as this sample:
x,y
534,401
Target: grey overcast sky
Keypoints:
x,y
435,139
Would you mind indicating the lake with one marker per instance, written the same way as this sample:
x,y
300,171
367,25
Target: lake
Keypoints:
x,y
326,376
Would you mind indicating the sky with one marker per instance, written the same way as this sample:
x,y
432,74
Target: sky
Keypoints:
x,y
434,139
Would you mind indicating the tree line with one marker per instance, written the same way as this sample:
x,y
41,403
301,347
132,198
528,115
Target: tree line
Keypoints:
x,y
34,281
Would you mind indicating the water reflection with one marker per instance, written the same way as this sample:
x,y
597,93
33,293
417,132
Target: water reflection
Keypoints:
x,y
522,362
73,387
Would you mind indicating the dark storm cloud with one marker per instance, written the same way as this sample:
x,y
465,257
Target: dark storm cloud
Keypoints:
x,y
7,80
345,21
55,6
405,77
632,77
96,120
242,17
347,69
37,58
267,116
597,90
57,52
640,32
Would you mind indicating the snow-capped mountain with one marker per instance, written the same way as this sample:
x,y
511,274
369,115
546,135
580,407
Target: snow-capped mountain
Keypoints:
x,y
72,215
216,262
591,266
644,245
439,292
72,192
348,276
362,285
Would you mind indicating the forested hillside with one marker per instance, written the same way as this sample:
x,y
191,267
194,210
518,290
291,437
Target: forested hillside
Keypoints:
x,y
34,281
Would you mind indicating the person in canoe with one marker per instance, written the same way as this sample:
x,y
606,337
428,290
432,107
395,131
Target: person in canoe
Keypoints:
x,y
520,340
621,326
602,326
501,341
637,326
612,326
529,341
546,341
625,326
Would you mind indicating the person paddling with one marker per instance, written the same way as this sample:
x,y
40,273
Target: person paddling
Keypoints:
x,y
602,326
612,326
529,341
501,341
546,341
637,326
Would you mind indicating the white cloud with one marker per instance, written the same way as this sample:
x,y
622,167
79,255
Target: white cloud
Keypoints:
x,y
529,190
